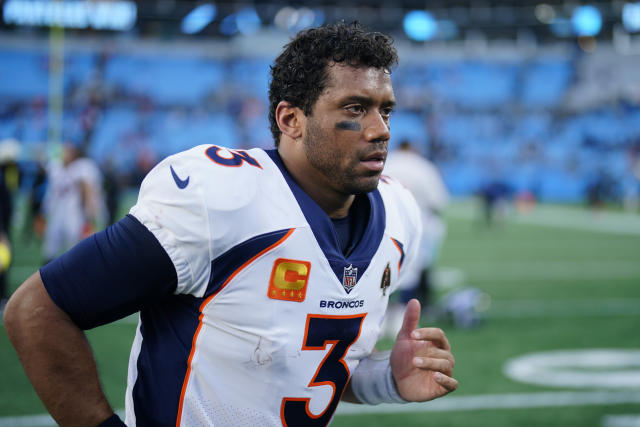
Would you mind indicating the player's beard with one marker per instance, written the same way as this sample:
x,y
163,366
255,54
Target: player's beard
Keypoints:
x,y
330,162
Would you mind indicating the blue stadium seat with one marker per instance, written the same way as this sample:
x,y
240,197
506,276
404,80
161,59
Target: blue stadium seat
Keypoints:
x,y
545,82
24,74
406,125
168,80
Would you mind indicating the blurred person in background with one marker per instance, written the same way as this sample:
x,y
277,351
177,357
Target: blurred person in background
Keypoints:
x,y
73,205
494,196
425,183
35,199
112,184
9,183
601,189
631,181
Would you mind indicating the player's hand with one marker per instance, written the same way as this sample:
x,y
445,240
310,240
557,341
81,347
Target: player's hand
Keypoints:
x,y
421,360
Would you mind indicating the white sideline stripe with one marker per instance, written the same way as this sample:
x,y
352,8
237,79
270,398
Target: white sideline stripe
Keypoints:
x,y
44,420
27,421
448,403
499,401
516,309
553,270
563,217
608,222
621,421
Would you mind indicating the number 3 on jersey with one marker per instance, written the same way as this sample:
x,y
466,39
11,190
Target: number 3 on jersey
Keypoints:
x,y
340,332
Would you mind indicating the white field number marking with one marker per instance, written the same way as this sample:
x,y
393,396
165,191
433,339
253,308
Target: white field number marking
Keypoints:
x,y
591,368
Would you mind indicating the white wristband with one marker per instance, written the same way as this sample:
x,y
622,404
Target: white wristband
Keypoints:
x,y
372,382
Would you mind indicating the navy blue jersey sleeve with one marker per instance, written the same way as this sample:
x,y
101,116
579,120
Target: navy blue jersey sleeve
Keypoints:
x,y
110,275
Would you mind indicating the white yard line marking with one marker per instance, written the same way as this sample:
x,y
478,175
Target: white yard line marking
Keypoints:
x,y
611,368
517,309
550,270
626,420
445,404
608,222
499,401
563,217
27,421
43,420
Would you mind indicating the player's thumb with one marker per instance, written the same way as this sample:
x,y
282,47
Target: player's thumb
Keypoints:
x,y
411,319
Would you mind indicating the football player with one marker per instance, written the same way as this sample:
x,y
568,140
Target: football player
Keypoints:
x,y
74,201
422,178
261,277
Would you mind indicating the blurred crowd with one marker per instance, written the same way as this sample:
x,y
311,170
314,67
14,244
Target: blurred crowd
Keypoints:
x,y
63,201
553,124
550,125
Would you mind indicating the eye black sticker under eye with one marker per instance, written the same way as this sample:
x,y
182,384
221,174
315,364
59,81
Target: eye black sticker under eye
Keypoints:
x,y
346,125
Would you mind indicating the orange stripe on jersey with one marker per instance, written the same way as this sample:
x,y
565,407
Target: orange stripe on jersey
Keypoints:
x,y
202,307
400,248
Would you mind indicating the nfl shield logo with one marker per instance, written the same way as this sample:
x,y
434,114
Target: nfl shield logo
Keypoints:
x,y
349,277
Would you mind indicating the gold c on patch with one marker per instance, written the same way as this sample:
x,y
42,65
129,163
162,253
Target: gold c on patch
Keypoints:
x,y
289,279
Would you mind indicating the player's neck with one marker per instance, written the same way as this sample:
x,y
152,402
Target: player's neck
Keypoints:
x,y
334,203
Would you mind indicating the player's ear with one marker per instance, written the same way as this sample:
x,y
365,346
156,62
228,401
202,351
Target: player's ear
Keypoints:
x,y
290,120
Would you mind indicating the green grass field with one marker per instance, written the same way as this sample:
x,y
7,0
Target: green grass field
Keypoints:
x,y
560,278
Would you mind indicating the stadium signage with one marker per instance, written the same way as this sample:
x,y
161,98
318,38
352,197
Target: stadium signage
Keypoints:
x,y
99,15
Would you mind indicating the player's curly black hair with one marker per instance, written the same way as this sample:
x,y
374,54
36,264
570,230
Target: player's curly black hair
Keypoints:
x,y
299,74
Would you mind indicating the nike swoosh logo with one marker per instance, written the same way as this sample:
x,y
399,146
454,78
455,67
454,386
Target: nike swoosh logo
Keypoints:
x,y
181,183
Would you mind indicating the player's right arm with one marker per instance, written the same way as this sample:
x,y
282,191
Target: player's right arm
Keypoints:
x,y
113,273
56,356
107,276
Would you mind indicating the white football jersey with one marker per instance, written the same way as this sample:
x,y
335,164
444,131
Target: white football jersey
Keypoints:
x,y
64,205
423,180
269,318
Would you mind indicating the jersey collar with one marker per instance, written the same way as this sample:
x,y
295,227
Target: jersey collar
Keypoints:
x,y
324,232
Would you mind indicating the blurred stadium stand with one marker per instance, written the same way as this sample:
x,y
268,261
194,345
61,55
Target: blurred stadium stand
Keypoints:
x,y
503,100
